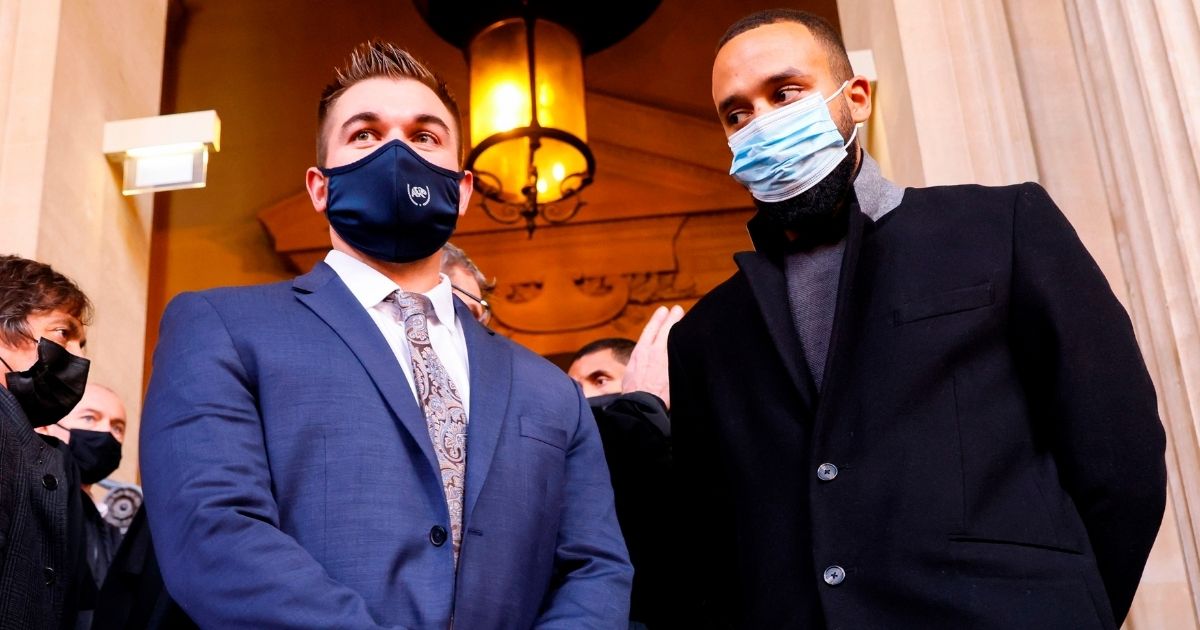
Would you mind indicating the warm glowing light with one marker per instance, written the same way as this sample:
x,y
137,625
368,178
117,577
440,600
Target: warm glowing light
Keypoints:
x,y
509,106
500,101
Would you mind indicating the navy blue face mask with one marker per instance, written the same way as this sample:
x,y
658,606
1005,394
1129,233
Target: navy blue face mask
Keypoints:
x,y
393,205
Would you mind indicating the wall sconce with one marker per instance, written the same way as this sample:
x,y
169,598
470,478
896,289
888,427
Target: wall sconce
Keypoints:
x,y
162,153
528,120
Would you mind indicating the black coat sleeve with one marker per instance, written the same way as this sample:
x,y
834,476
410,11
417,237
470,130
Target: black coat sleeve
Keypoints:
x,y
703,589
1089,391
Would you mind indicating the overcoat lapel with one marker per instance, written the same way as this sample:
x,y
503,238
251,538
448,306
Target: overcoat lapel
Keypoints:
x,y
490,361
769,286
845,315
329,298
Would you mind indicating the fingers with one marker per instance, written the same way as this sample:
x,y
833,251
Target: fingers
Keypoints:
x,y
673,317
650,332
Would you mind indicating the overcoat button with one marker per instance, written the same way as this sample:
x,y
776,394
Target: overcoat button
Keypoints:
x,y
835,575
827,472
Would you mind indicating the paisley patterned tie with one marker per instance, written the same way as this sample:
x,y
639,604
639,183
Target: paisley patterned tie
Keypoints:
x,y
445,416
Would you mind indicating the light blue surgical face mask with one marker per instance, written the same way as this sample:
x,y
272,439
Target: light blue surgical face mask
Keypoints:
x,y
785,152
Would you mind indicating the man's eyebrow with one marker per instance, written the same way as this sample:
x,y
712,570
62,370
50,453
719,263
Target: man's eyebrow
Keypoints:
x,y
72,324
370,117
430,119
787,74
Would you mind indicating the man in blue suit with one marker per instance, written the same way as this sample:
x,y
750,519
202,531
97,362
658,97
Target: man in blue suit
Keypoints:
x,y
352,449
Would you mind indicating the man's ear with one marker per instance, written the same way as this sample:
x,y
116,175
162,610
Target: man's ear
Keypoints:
x,y
465,186
318,188
859,95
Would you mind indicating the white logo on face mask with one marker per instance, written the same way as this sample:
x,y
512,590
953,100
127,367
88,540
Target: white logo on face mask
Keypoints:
x,y
418,195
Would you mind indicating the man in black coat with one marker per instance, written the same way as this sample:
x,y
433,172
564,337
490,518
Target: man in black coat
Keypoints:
x,y
918,408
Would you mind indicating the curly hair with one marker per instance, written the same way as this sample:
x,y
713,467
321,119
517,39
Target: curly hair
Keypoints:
x,y
28,287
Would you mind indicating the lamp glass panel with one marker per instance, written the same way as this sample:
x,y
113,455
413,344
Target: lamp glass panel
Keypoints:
x,y
155,171
500,102
503,169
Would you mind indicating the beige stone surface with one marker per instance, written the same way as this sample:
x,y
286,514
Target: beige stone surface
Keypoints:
x,y
71,67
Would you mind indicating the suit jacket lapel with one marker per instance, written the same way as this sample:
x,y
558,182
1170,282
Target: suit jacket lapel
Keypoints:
x,y
490,361
327,296
769,286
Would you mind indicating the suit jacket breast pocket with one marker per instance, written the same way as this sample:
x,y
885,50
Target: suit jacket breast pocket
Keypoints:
x,y
544,460
948,303
544,432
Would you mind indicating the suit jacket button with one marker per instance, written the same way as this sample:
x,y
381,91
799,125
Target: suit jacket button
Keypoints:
x,y
49,573
827,472
834,575
50,482
437,535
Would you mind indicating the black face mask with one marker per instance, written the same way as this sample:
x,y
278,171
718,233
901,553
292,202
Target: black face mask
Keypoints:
x,y
52,386
96,453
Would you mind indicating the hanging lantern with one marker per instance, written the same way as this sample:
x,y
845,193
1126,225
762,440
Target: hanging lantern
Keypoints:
x,y
528,119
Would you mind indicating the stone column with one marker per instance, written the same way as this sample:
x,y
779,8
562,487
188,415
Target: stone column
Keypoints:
x,y
1140,64
1081,96
66,68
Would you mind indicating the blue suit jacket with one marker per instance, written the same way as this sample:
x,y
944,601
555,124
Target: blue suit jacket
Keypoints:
x,y
291,482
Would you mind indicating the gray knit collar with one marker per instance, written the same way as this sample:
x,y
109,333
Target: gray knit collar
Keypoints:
x,y
876,195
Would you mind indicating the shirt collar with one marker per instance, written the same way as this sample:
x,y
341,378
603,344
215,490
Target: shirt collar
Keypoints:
x,y
371,288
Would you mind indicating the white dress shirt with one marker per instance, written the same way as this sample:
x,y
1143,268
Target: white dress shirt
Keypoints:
x,y
371,288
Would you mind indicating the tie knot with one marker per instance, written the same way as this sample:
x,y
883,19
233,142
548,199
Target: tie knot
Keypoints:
x,y
411,304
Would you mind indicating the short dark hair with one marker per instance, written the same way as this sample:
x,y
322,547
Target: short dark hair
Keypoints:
x,y
375,59
621,349
28,287
822,30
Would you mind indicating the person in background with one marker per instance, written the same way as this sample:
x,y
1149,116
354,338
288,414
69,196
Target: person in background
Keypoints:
x,y
94,432
628,391
599,366
44,579
468,282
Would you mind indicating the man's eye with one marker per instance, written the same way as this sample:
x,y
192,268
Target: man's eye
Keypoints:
x,y
736,118
424,137
363,136
787,94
